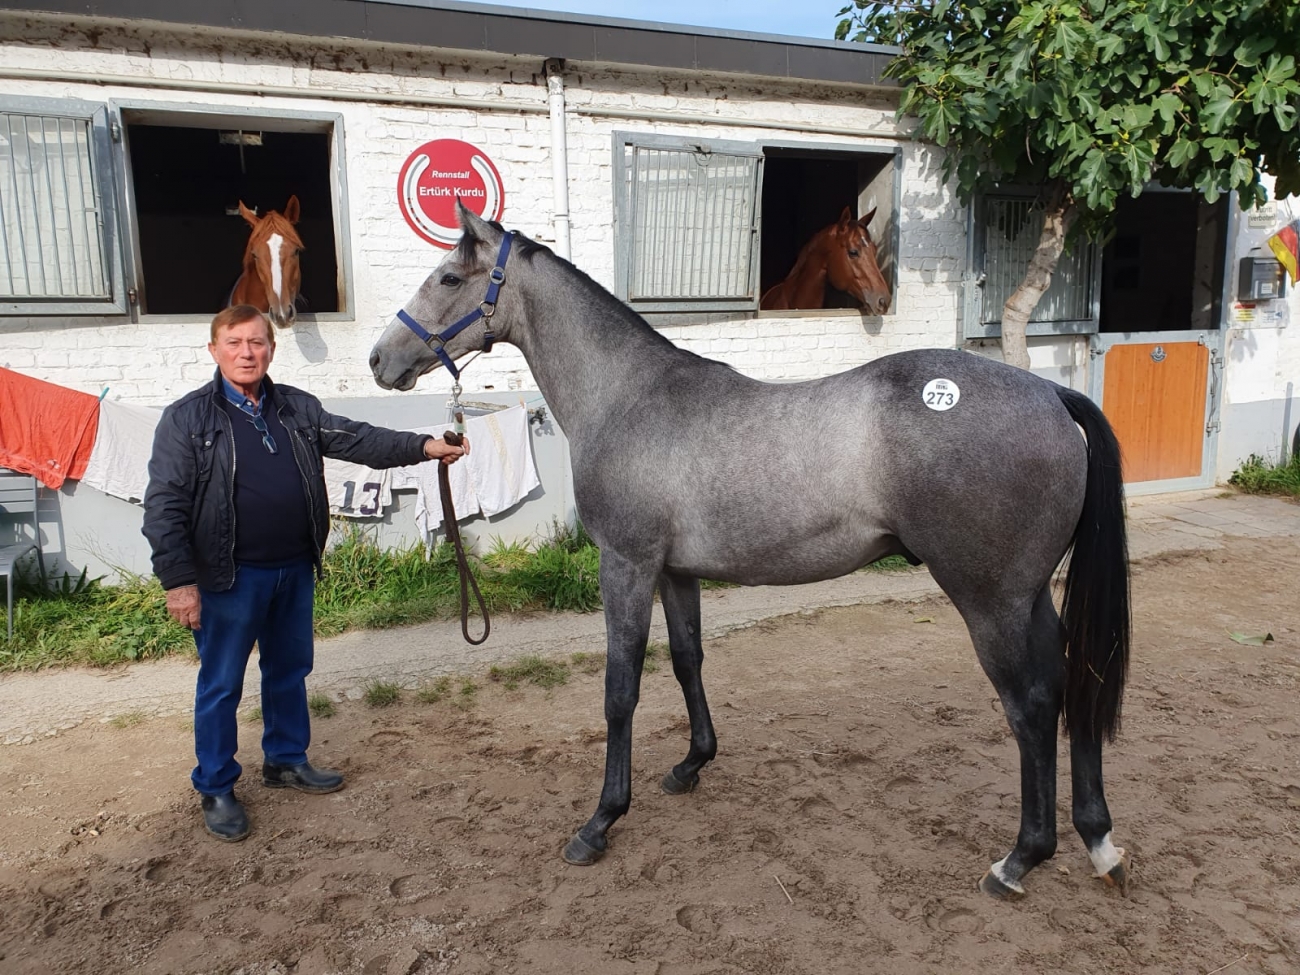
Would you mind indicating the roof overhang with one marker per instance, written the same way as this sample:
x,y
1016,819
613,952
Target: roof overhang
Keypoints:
x,y
511,31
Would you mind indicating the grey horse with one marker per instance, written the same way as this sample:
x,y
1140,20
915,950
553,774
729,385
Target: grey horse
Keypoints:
x,y
685,469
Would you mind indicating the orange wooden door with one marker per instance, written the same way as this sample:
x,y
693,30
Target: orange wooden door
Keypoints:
x,y
1155,400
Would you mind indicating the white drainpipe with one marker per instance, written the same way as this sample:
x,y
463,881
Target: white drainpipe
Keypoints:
x,y
559,155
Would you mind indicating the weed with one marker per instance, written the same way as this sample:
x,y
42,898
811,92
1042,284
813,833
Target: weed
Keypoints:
x,y
1259,476
434,691
382,693
531,670
321,706
253,715
128,719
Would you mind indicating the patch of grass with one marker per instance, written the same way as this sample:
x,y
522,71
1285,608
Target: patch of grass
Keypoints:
x,y
890,563
431,692
382,693
1259,476
467,697
253,715
588,663
128,719
530,670
321,706
655,651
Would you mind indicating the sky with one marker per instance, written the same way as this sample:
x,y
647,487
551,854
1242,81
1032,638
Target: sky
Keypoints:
x,y
798,18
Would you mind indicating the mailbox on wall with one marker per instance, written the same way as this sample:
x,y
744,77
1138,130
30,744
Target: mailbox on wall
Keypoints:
x,y
1260,279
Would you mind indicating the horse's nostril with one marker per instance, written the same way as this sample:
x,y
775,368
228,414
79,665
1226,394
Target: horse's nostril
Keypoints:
x,y
374,361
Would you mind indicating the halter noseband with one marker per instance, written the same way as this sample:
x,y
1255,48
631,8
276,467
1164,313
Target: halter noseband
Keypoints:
x,y
485,310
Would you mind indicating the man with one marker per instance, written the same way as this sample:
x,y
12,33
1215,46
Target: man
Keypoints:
x,y
237,516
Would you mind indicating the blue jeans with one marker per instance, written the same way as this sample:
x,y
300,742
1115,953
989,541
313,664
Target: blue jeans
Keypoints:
x,y
274,608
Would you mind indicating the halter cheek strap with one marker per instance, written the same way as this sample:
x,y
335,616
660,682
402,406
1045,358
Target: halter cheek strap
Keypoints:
x,y
485,310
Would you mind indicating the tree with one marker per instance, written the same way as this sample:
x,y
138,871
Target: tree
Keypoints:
x,y
1087,99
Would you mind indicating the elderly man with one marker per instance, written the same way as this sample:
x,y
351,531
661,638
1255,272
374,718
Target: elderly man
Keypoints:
x,y
237,516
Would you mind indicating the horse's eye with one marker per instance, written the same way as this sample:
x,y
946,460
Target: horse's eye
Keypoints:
x,y
450,280
853,253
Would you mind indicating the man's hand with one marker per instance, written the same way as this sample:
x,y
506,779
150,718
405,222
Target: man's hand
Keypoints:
x,y
183,605
438,449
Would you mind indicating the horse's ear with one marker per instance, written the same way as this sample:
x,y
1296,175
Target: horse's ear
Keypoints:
x,y
846,218
291,210
247,214
867,219
471,223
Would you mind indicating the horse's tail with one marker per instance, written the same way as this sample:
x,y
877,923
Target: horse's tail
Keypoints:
x,y
1095,608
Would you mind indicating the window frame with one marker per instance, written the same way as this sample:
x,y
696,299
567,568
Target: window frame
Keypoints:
x,y
104,163
130,111
977,271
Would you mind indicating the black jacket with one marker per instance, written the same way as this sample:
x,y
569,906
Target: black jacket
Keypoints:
x,y
189,506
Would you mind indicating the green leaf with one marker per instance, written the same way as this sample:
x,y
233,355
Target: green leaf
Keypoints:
x,y
1219,112
1249,52
1254,640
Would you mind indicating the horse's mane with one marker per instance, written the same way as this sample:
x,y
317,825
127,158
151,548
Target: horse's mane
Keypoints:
x,y
526,249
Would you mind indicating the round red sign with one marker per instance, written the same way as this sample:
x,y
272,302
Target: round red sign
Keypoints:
x,y
434,176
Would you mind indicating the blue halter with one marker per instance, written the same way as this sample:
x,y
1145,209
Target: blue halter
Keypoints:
x,y
485,310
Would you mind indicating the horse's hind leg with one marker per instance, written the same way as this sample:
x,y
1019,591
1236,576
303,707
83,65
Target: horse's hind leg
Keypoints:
x,y
681,601
627,589
1024,660
1091,815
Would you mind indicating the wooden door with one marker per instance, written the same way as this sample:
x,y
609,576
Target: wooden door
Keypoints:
x,y
1154,397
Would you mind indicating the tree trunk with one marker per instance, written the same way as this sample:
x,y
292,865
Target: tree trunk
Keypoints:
x,y
1058,216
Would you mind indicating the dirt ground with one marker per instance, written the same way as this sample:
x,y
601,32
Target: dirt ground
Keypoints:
x,y
865,780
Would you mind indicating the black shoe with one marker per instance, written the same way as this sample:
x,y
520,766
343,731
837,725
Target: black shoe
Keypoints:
x,y
224,817
302,777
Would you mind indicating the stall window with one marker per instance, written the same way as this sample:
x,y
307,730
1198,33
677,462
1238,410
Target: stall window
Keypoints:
x,y
188,174
707,226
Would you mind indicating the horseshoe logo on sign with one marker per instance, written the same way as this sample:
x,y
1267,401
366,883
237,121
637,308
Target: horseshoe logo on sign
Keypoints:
x,y
435,176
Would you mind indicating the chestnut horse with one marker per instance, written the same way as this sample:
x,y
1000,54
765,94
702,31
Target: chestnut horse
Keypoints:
x,y
842,255
271,275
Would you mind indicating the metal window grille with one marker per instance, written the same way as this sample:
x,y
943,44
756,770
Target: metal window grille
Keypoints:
x,y
1011,231
693,224
51,223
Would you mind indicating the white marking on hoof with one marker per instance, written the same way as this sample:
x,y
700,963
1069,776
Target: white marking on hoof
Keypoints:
x,y
999,870
1105,856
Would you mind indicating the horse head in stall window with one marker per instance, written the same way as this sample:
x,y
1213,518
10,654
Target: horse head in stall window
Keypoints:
x,y
842,255
271,276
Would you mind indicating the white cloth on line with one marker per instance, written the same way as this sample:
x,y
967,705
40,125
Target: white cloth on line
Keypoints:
x,y
424,478
119,461
356,491
500,459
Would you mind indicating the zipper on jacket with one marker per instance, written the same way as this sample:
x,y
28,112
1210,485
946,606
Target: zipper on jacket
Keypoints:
x,y
230,432
296,435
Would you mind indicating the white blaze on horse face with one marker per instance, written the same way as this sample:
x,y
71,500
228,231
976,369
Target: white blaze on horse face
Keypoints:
x,y
277,274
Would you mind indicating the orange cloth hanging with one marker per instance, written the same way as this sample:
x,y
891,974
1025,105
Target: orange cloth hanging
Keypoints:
x,y
45,429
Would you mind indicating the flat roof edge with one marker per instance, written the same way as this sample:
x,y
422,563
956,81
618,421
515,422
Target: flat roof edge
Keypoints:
x,y
480,29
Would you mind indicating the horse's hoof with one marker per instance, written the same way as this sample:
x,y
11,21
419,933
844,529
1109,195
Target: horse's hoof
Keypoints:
x,y
580,853
995,887
674,786
1118,875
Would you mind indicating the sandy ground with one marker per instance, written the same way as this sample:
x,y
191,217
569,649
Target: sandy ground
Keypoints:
x,y
865,780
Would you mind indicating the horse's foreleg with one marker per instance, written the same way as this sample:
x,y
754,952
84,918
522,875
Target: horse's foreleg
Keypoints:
x,y
1024,661
681,602
1091,815
628,593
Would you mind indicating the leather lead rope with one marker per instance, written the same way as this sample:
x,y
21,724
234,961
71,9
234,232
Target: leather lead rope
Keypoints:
x,y
452,530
